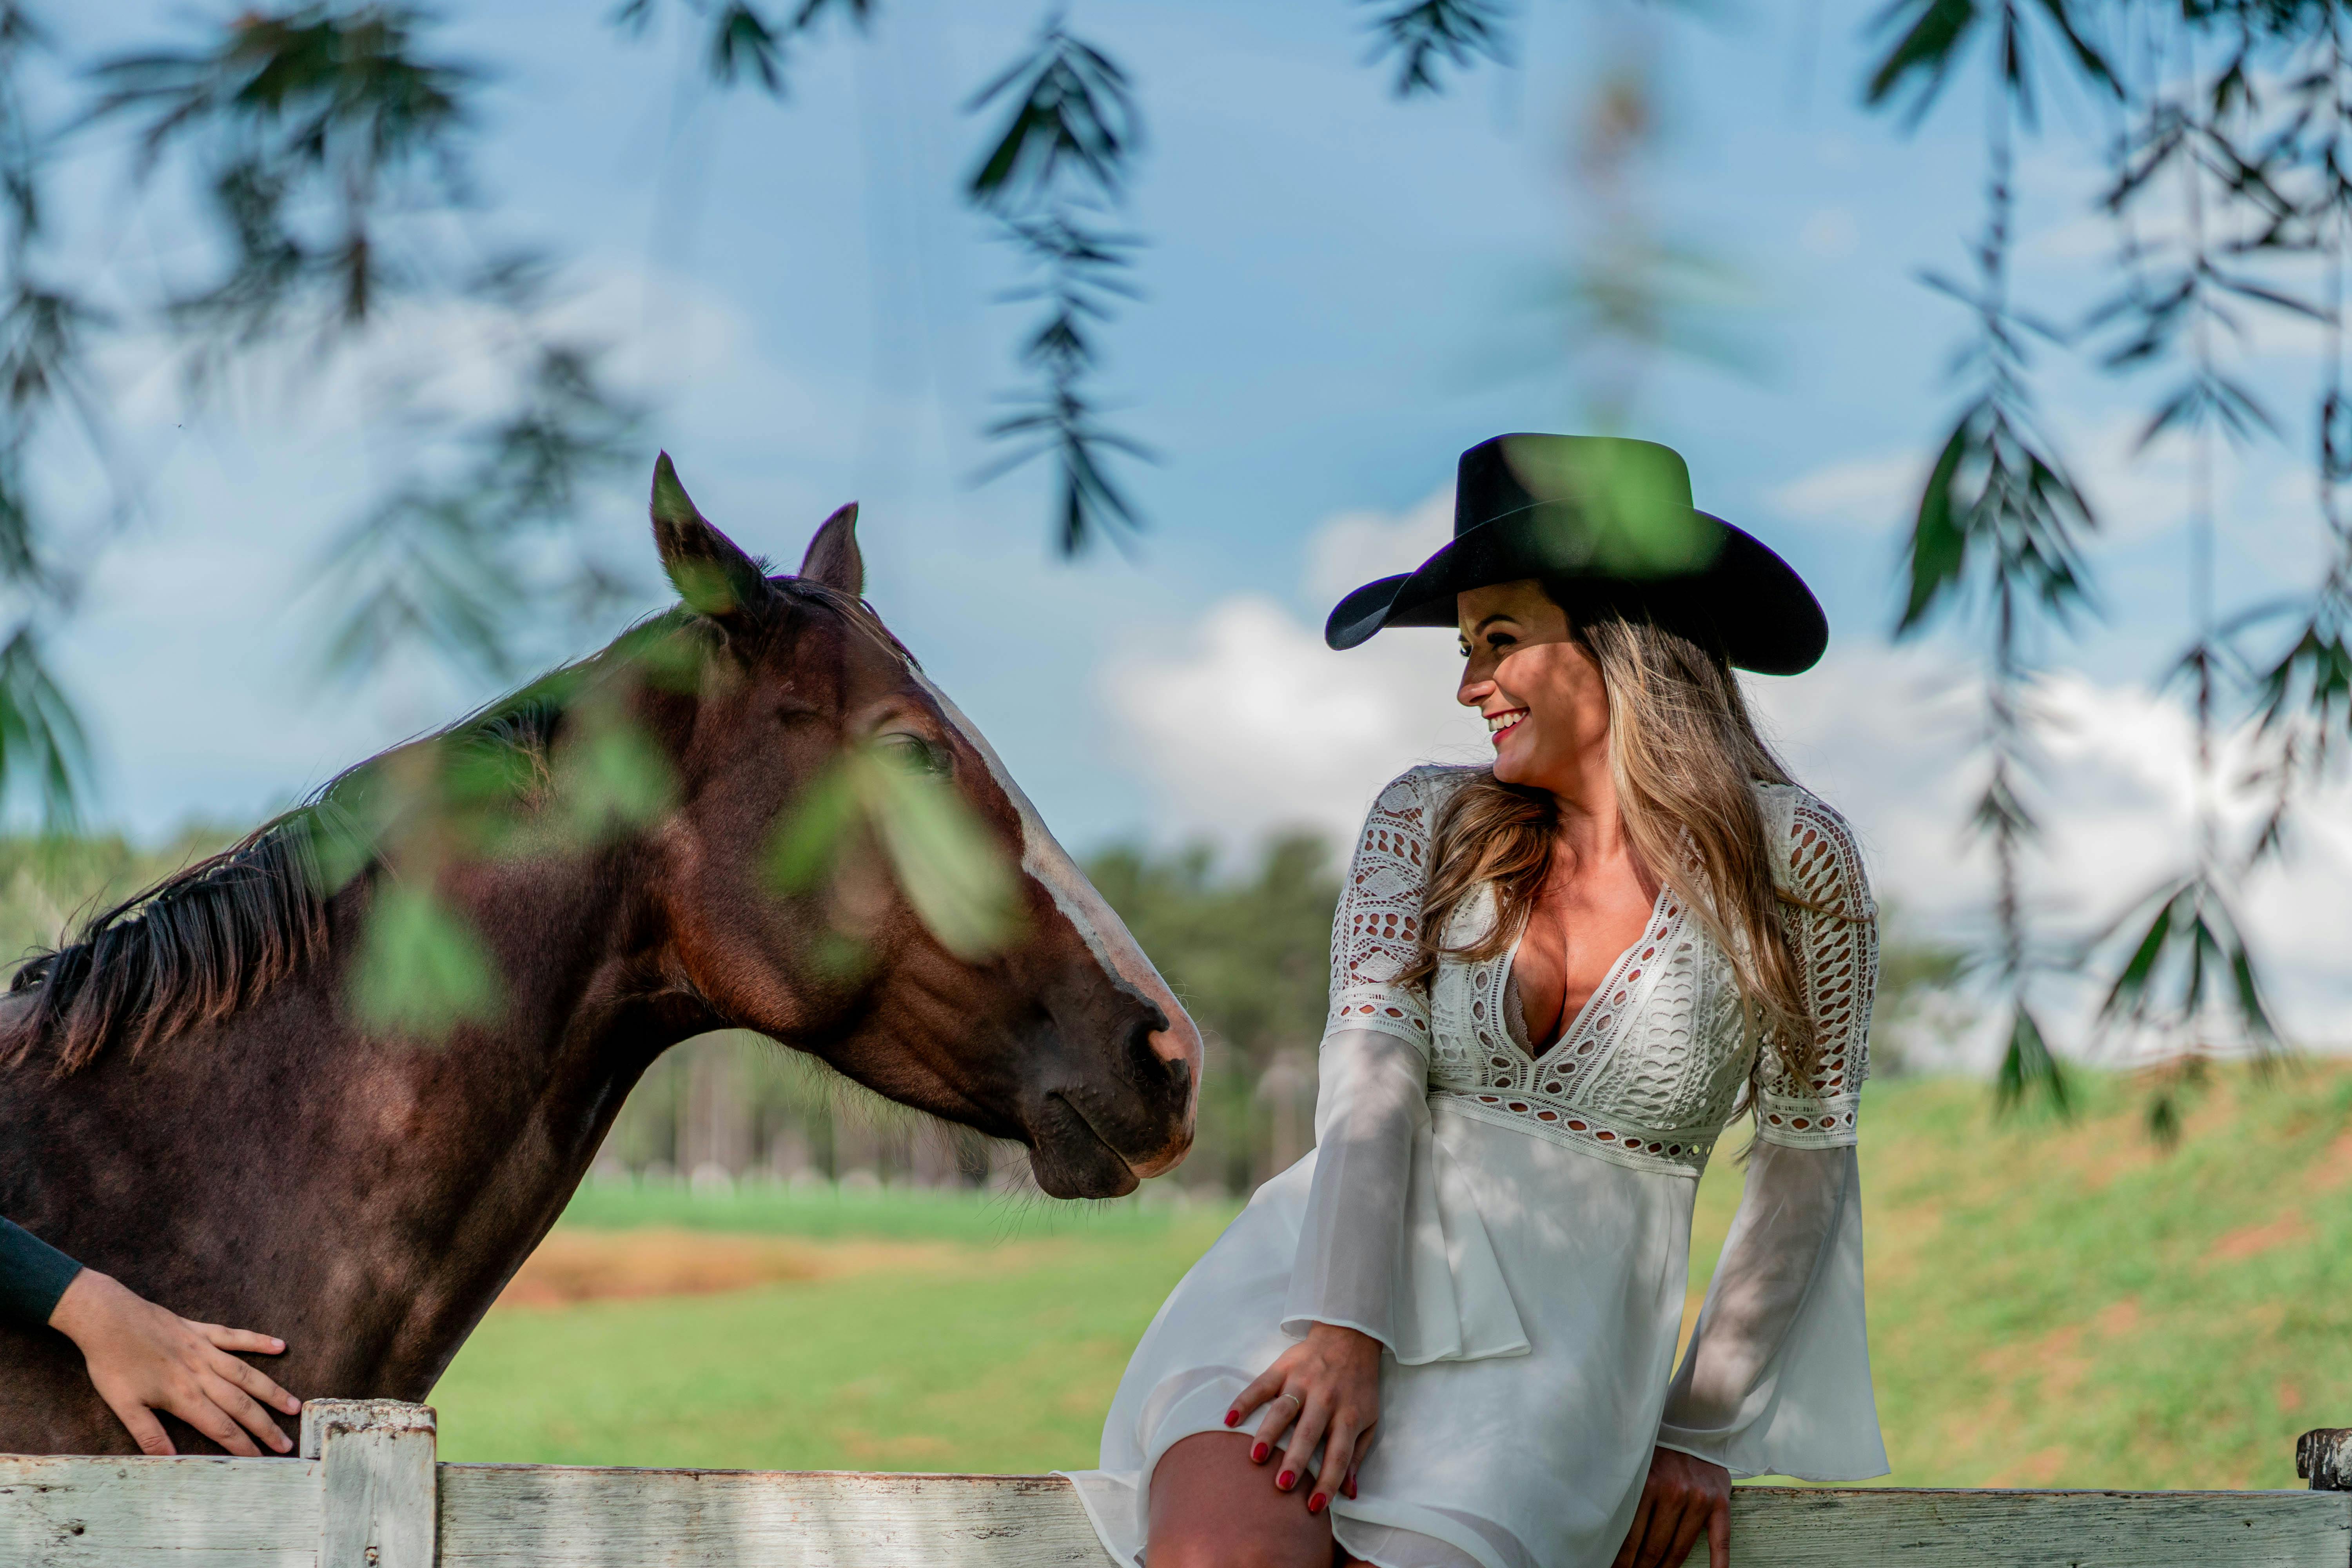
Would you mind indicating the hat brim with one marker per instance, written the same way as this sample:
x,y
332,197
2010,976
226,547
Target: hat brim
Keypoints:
x,y
1747,601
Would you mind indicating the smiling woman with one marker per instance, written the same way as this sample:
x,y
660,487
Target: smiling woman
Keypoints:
x,y
1554,981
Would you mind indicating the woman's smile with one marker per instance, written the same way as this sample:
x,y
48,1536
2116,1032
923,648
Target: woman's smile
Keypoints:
x,y
1501,722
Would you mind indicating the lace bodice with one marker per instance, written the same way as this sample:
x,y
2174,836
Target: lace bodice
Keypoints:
x,y
1650,1070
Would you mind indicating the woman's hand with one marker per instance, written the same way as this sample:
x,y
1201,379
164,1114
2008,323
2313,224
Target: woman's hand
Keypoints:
x,y
144,1359
1683,1497
1326,1390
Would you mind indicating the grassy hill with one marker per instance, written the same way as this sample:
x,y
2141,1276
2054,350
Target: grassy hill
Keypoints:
x,y
2050,1306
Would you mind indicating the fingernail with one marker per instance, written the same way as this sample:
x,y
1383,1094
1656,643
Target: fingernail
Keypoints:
x,y
1283,1479
1233,1417
1315,1503
1258,1453
1347,1488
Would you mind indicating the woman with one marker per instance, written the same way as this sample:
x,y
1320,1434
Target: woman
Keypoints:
x,y
142,1358
1446,1337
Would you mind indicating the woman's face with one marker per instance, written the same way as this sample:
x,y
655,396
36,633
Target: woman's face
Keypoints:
x,y
1547,710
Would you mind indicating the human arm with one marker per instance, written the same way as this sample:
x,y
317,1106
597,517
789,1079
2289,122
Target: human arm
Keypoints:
x,y
141,1357
33,1275
1372,1099
144,1358
1777,1379
1371,1105
1683,1498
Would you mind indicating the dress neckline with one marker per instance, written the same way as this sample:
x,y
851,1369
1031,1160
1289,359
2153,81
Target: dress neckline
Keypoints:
x,y
1609,981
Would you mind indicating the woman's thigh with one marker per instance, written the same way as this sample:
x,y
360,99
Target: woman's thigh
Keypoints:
x,y
1211,1507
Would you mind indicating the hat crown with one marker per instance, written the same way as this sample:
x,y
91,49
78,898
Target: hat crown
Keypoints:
x,y
1608,521
1602,478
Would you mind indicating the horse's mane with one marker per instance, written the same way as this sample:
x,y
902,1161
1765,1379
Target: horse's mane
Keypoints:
x,y
196,946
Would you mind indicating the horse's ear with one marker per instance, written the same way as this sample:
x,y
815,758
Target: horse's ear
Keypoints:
x,y
833,557
712,573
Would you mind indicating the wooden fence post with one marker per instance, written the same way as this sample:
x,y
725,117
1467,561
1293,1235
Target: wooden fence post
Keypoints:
x,y
376,1503
2324,1458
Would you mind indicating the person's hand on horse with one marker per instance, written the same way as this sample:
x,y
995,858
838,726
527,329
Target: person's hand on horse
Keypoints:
x,y
1326,1390
144,1359
1685,1497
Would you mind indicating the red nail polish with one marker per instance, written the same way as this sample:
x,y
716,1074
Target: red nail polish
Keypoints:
x,y
1347,1488
1283,1479
1315,1503
1233,1417
1258,1453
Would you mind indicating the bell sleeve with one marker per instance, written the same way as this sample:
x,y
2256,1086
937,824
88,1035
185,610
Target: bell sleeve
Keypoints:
x,y
1777,1378
1390,1243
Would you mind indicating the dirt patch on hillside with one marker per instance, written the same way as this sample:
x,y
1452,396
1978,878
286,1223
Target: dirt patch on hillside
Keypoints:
x,y
574,1266
2252,1240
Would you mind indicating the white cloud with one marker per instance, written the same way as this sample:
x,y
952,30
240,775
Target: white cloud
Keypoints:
x,y
1877,493
1257,726
1355,547
1889,735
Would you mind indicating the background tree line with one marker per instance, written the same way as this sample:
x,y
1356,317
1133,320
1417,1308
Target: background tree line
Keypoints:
x,y
1245,943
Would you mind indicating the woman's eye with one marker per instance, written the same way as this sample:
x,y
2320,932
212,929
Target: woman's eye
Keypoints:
x,y
914,755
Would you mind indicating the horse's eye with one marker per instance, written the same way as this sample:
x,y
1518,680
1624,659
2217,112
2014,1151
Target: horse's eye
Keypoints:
x,y
913,754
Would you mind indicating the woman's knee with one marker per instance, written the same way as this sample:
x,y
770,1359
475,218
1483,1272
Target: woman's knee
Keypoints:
x,y
1211,1507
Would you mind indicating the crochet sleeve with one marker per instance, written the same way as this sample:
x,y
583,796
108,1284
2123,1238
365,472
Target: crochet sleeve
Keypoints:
x,y
1391,1243
1378,922
1836,931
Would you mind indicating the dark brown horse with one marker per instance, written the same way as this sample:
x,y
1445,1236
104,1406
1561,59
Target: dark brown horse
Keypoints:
x,y
189,1104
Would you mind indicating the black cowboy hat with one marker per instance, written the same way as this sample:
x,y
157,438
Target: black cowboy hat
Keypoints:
x,y
1608,523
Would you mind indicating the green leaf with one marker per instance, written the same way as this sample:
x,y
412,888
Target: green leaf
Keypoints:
x,y
1423,33
2028,1068
953,871
422,971
610,777
41,741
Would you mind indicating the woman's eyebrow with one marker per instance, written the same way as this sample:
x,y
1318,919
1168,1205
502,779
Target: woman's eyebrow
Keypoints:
x,y
1490,620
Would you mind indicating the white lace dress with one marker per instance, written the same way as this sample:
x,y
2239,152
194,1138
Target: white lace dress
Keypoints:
x,y
1514,1229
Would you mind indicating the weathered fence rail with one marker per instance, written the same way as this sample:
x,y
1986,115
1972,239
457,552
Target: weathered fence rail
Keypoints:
x,y
367,1493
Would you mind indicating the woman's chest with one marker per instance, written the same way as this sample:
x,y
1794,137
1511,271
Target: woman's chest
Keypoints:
x,y
1573,940
1656,1056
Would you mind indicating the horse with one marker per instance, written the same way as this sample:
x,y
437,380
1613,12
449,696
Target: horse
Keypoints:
x,y
192,1102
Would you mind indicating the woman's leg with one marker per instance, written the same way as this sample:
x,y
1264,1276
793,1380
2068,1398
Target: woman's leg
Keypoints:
x,y
1211,1507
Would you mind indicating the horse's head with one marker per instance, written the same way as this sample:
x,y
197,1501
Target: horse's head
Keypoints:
x,y
1051,1028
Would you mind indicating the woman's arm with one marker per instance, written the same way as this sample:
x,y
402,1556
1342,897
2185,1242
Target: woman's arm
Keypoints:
x,y
1373,1097
142,1358
1777,1379
1371,1101
33,1275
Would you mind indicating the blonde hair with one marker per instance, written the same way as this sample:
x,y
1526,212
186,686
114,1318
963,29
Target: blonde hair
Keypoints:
x,y
1685,756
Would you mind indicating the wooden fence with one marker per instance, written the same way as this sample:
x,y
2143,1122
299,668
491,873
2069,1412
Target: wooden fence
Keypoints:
x,y
367,1493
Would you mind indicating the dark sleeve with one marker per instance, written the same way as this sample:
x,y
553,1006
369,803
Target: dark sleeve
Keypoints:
x,y
33,1275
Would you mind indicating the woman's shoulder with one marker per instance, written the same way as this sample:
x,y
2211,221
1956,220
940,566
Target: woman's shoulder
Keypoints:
x,y
1422,789
1815,853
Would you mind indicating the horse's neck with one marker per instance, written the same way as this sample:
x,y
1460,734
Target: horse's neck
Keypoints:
x,y
364,1198
493,1131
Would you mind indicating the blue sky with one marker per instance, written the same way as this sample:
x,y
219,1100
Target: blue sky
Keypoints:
x,y
1335,282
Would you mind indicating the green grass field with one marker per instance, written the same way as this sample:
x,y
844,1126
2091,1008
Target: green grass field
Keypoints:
x,y
2049,1306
